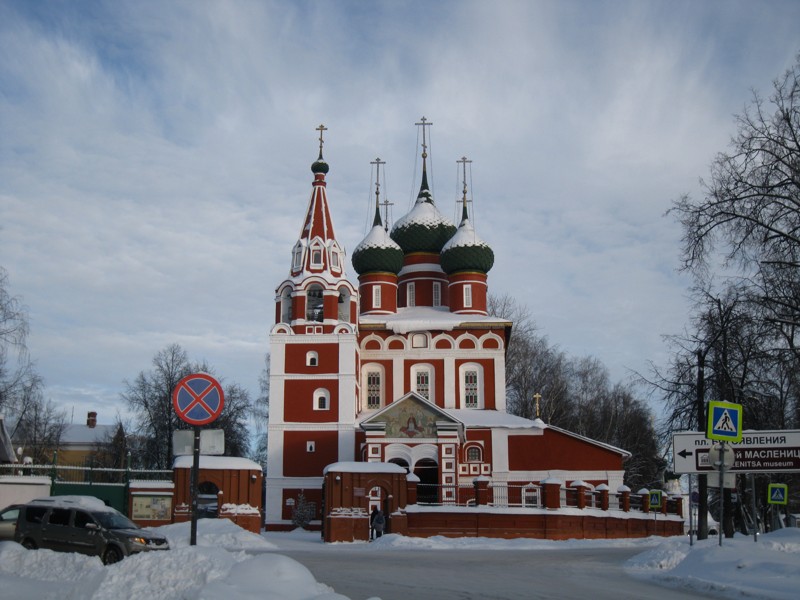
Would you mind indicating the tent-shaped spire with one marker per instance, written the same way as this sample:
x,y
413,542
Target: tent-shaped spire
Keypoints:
x,y
317,252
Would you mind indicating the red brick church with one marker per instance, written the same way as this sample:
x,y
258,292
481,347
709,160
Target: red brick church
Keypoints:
x,y
406,368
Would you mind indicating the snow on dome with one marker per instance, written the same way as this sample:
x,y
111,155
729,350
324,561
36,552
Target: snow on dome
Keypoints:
x,y
377,252
423,229
466,251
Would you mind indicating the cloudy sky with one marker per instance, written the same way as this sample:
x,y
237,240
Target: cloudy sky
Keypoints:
x,y
154,160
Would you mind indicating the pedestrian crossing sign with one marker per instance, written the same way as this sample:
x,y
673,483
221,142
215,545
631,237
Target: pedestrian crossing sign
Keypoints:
x,y
655,498
724,421
778,493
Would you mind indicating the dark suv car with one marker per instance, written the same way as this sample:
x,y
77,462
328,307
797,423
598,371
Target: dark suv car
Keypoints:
x,y
83,524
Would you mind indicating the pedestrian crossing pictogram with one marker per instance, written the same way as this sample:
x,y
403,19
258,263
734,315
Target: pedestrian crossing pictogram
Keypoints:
x,y
778,493
724,421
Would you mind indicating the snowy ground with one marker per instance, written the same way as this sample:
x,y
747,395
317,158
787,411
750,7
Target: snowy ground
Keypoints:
x,y
231,563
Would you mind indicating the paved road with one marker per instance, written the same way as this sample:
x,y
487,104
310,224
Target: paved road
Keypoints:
x,y
584,574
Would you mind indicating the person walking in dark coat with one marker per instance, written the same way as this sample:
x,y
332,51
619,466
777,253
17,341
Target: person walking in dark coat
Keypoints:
x,y
372,516
378,523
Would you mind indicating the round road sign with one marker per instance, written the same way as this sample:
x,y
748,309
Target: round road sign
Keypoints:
x,y
198,399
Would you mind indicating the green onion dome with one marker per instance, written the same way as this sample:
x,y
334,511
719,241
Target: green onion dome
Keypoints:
x,y
465,251
319,165
377,251
423,229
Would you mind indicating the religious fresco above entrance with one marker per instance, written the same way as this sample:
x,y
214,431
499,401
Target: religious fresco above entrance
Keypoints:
x,y
411,418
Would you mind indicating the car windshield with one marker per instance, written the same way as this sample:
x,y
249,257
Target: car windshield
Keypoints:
x,y
114,520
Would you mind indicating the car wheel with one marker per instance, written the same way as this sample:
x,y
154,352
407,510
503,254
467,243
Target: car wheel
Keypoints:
x,y
112,555
29,544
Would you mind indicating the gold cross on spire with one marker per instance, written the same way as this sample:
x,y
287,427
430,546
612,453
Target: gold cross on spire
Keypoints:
x,y
424,123
463,162
377,162
536,397
321,129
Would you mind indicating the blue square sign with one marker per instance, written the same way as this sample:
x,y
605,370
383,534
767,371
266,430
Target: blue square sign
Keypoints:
x,y
724,421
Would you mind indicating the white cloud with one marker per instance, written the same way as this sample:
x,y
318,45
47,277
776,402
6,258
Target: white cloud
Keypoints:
x,y
154,160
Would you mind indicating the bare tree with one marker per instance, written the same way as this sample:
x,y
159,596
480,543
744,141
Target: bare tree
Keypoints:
x,y
19,382
751,205
149,397
39,428
260,415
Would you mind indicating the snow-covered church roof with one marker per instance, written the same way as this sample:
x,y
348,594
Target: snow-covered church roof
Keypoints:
x,y
428,318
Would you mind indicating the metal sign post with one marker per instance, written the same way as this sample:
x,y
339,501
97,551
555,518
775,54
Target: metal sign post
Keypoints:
x,y
194,484
755,514
198,400
721,491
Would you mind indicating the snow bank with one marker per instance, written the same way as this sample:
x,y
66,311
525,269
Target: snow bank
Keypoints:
x,y
740,567
218,567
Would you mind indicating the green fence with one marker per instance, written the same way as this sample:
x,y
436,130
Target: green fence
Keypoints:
x,y
109,485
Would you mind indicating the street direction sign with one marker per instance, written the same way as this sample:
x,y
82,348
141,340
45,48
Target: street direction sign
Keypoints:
x,y
724,421
757,452
198,399
778,493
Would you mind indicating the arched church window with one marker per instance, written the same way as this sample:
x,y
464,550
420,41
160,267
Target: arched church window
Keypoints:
x,y
471,382
376,296
474,454
344,305
321,399
373,389
297,256
467,296
314,303
422,381
411,295
312,359
316,254
286,306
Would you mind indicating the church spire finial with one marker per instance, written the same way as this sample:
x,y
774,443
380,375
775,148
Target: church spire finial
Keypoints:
x,y
463,162
377,162
321,129
424,186
319,165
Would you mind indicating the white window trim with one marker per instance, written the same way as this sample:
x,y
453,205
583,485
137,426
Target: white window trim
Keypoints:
x,y
317,247
437,293
411,295
286,306
480,454
468,295
315,287
533,490
376,296
431,380
322,393
297,256
462,374
368,369
312,359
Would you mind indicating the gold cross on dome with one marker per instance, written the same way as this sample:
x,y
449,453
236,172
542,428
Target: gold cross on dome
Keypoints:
x,y
321,129
537,396
424,123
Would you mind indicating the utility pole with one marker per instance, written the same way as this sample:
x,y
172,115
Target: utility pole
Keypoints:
x,y
702,478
